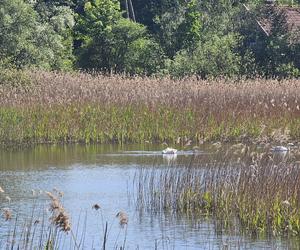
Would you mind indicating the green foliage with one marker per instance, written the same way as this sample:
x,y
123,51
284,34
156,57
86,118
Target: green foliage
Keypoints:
x,y
287,70
133,51
27,40
168,24
113,43
190,28
179,28
58,21
215,57
17,26
146,12
94,31
276,54
204,38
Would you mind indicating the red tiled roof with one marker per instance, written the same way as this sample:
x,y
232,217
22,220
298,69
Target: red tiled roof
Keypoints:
x,y
291,15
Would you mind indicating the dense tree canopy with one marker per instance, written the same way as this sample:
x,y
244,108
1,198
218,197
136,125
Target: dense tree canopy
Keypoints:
x,y
176,37
30,38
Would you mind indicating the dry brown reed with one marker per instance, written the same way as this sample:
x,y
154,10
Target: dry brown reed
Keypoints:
x,y
123,218
43,231
60,218
50,88
72,107
7,214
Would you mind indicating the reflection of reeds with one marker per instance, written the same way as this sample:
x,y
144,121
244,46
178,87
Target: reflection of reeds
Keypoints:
x,y
68,107
259,191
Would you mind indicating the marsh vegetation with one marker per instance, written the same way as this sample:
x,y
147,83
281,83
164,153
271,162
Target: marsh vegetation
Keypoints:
x,y
239,195
214,85
80,107
256,191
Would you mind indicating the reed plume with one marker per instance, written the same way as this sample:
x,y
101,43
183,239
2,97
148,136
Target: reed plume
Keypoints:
x,y
123,218
7,214
60,217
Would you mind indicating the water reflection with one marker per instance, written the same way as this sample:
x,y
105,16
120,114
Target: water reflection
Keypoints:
x,y
104,175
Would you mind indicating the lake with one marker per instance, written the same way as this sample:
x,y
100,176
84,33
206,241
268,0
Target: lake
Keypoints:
x,y
105,175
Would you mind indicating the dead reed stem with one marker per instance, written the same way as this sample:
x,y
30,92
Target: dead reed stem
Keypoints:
x,y
78,107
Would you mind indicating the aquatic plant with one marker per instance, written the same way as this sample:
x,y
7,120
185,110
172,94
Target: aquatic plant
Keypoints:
x,y
41,230
260,191
91,108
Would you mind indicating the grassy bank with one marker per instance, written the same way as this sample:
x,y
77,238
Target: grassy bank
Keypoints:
x,y
78,107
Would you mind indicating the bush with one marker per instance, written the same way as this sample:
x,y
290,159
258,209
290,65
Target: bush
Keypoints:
x,y
287,70
214,57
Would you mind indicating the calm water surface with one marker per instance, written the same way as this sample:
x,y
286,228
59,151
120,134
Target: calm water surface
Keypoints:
x,y
104,175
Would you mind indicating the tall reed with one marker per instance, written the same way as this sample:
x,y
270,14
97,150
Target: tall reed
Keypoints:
x,y
81,107
51,228
258,191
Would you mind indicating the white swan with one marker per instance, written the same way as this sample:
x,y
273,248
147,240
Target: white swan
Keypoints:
x,y
170,158
170,151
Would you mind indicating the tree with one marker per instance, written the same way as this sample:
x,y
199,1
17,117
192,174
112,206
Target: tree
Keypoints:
x,y
275,54
94,31
17,25
112,43
190,29
147,12
212,58
167,32
133,51
59,20
27,41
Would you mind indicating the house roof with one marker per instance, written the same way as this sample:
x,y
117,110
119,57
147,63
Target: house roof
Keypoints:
x,y
291,17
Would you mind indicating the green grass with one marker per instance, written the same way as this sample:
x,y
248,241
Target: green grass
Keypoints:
x,y
253,191
128,124
77,107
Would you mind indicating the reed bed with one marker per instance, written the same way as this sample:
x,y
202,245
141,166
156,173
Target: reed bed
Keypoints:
x,y
92,108
257,192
